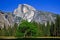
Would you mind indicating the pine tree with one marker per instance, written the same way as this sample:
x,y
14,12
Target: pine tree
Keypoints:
x,y
58,25
55,28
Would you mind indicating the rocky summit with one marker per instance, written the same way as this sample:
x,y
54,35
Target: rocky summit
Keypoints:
x,y
25,11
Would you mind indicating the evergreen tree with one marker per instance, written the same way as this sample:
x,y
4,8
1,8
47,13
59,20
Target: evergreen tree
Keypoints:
x,y
52,29
58,25
55,28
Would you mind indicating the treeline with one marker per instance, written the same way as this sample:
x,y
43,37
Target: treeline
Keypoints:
x,y
55,28
33,29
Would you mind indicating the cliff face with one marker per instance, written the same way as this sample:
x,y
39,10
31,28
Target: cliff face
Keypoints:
x,y
6,20
3,21
10,18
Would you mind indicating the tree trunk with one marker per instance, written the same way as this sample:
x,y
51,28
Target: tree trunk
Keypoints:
x,y
25,33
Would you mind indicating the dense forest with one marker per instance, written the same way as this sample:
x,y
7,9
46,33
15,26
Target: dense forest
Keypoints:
x,y
33,29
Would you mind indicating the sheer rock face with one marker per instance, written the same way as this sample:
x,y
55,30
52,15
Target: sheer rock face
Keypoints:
x,y
6,20
29,13
10,18
3,21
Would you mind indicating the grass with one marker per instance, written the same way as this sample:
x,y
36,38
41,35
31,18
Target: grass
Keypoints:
x,y
12,37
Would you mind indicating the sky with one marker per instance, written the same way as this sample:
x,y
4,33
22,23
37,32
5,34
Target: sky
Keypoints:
x,y
44,5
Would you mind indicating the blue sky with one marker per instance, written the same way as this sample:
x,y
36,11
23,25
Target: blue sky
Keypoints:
x,y
45,5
